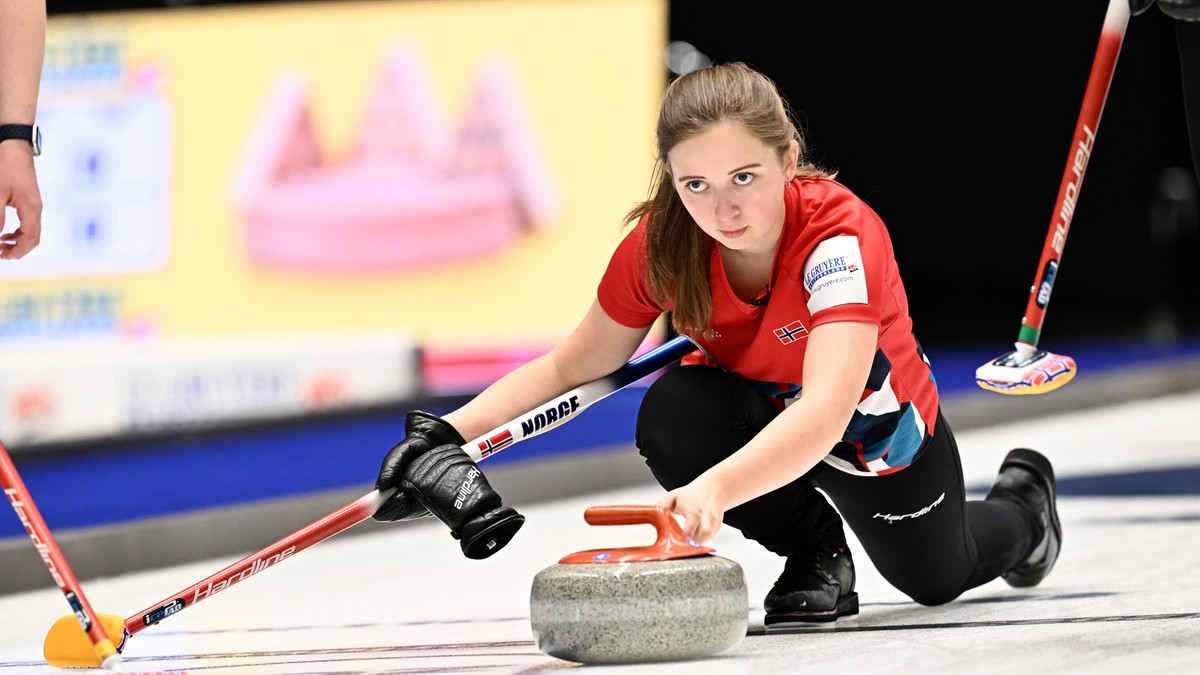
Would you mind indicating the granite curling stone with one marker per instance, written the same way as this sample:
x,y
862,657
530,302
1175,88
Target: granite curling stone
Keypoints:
x,y
670,601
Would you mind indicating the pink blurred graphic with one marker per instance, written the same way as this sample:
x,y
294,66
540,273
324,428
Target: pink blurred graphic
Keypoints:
x,y
412,193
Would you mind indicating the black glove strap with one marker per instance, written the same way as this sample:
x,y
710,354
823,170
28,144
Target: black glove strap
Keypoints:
x,y
490,532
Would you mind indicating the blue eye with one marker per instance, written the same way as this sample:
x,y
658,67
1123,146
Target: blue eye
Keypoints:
x,y
695,185
743,178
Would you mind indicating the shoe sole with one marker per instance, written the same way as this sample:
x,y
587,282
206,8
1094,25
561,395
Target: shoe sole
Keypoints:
x,y
1037,464
847,606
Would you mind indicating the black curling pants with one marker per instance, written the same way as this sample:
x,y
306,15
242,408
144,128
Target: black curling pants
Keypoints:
x,y
915,524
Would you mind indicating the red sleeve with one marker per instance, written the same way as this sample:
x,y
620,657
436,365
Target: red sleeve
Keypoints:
x,y
622,292
844,273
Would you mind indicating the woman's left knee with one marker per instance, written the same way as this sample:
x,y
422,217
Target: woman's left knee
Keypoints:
x,y
935,597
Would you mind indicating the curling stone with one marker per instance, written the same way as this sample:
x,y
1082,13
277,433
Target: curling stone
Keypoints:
x,y
670,601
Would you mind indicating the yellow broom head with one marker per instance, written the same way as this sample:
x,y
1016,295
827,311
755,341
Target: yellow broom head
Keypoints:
x,y
67,646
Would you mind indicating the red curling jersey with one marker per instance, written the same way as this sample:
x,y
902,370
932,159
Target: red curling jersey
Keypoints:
x,y
834,262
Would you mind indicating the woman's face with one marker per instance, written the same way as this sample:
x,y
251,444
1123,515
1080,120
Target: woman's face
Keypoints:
x,y
732,185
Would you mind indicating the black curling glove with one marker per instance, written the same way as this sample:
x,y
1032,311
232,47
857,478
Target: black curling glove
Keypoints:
x,y
448,483
423,432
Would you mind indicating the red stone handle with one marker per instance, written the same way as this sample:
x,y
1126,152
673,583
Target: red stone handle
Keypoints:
x,y
672,543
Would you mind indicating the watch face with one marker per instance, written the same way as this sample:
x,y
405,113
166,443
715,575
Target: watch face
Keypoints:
x,y
36,140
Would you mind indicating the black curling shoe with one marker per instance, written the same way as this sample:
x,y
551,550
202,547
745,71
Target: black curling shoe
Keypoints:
x,y
1027,475
817,588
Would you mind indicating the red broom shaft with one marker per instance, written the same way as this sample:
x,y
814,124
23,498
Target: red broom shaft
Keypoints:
x,y
47,548
1103,66
316,532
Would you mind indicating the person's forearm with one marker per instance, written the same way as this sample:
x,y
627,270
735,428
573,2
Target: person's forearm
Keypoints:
x,y
784,450
22,45
521,390
596,348
836,365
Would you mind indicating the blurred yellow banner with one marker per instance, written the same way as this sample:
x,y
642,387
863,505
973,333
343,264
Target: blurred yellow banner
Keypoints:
x,y
454,170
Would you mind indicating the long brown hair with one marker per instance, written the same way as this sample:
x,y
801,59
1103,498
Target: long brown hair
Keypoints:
x,y
677,249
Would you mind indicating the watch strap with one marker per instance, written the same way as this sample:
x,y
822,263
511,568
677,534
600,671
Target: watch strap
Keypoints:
x,y
22,132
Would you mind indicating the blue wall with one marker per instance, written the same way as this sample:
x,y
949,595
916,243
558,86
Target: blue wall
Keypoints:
x,y
130,480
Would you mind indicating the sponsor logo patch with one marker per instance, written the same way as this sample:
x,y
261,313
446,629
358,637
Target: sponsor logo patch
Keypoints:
x,y
833,274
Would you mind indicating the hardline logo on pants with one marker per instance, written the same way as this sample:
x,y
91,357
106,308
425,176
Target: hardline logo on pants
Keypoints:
x,y
916,514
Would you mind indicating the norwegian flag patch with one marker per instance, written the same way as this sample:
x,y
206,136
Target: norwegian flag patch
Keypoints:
x,y
496,443
792,332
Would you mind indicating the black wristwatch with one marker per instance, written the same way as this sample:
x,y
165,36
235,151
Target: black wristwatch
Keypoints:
x,y
30,133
